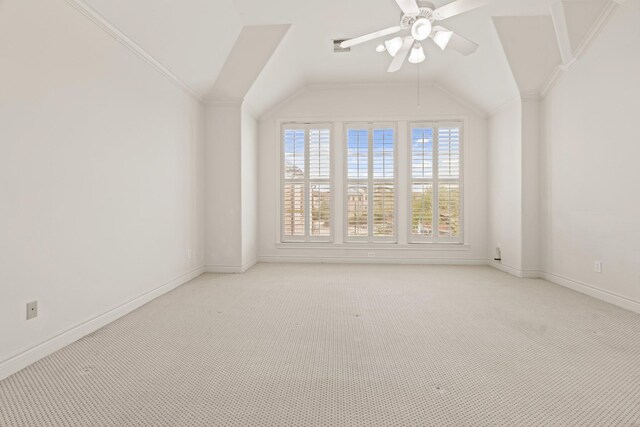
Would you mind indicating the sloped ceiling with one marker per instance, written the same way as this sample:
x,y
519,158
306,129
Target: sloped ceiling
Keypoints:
x,y
252,50
193,38
580,16
531,47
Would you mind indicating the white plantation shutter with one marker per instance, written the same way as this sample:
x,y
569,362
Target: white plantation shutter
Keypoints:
x,y
449,181
435,211
319,152
449,152
383,183
306,183
294,209
370,197
357,209
422,181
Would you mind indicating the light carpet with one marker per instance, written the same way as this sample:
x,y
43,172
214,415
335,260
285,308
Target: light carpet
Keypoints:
x,y
345,345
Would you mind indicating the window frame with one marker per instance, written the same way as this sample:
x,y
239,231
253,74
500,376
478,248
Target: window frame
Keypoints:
x,y
435,181
370,181
307,181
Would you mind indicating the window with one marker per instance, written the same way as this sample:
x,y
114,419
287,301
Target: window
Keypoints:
x,y
370,182
435,210
369,192
306,176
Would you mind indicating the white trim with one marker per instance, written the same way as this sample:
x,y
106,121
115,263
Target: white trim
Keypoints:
x,y
435,183
503,106
307,127
433,85
370,181
344,259
586,42
250,109
530,96
562,33
108,27
460,100
25,358
339,126
524,274
596,28
593,291
271,112
223,101
583,288
234,102
381,246
217,268
555,74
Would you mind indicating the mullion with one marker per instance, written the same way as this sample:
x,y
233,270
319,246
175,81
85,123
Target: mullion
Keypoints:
x,y
306,184
435,174
370,183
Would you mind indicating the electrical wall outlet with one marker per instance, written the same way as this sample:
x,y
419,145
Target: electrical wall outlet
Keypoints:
x,y
32,310
597,267
189,254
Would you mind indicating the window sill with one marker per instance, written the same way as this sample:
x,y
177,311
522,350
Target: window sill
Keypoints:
x,y
420,246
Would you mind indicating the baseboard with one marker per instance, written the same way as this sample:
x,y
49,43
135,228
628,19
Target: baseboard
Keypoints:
x,y
583,288
366,260
22,360
610,297
525,274
233,269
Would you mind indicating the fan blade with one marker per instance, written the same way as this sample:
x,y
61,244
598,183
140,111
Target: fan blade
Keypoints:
x,y
398,60
457,7
409,7
370,36
457,42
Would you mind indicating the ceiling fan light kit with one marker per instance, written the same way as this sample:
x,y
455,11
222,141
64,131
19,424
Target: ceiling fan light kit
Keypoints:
x,y
421,29
442,38
417,22
417,54
393,46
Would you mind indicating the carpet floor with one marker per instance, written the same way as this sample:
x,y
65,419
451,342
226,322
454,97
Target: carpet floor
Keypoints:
x,y
345,345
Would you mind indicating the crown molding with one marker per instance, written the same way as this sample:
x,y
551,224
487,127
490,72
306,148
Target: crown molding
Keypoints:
x,y
269,113
342,86
461,100
108,27
599,24
588,39
551,81
223,101
231,102
503,106
530,96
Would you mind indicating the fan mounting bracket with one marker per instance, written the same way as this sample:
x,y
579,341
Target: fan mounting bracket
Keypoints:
x,y
426,11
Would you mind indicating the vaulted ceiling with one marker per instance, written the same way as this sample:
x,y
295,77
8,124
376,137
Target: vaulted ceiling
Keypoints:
x,y
194,39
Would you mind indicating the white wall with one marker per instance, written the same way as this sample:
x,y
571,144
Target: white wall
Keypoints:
x,y
590,164
101,174
375,102
249,176
231,187
505,185
531,186
223,187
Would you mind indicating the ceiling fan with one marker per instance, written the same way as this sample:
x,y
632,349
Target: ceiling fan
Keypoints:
x,y
418,17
